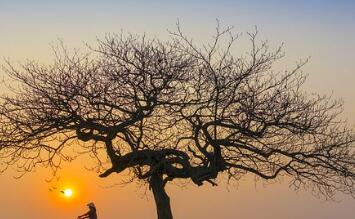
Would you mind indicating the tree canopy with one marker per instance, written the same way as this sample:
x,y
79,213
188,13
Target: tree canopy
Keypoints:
x,y
172,109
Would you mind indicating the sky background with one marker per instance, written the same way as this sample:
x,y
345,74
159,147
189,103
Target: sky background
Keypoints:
x,y
323,30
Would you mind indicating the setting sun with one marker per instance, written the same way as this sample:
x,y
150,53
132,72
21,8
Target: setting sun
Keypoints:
x,y
68,193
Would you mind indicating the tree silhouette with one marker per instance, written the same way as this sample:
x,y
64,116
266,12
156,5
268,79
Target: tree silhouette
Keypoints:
x,y
171,109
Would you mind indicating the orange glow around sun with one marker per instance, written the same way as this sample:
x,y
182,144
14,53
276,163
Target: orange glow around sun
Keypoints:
x,y
70,190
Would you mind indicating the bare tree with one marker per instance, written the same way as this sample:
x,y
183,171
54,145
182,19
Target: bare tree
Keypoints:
x,y
170,110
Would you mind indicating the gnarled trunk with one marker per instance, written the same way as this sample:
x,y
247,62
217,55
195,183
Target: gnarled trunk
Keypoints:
x,y
162,200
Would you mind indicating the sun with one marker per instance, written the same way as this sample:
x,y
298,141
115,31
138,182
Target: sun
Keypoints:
x,y
68,192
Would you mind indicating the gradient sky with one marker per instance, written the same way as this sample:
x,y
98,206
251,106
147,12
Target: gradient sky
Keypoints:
x,y
323,30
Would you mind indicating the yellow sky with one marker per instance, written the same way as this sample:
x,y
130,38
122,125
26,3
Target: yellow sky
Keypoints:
x,y
325,31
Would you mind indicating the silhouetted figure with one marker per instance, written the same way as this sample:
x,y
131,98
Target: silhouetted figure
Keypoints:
x,y
91,214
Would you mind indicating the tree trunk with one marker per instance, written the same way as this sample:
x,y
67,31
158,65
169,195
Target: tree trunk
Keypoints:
x,y
162,200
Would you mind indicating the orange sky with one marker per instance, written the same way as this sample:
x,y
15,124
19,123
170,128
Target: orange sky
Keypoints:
x,y
29,197
320,29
